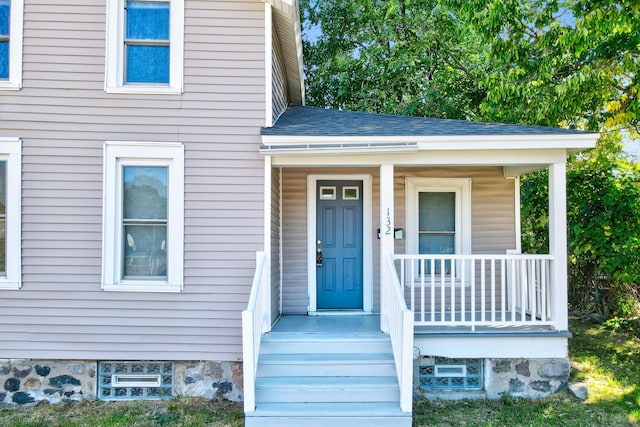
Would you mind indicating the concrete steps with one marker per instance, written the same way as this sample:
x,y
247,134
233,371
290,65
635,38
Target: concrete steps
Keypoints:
x,y
327,379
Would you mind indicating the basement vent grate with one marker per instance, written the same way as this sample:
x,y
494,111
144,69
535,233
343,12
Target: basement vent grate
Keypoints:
x,y
121,380
440,373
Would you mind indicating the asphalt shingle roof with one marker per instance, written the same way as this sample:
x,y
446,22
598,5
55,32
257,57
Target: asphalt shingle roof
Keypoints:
x,y
312,121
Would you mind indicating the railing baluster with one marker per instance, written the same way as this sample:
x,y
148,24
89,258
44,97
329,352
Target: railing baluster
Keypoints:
x,y
512,290
452,280
422,298
412,280
463,295
523,289
472,274
443,295
483,296
503,293
493,290
543,290
433,289
514,296
532,289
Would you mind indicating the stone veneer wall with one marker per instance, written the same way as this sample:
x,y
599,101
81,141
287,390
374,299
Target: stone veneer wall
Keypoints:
x,y
525,377
529,378
28,382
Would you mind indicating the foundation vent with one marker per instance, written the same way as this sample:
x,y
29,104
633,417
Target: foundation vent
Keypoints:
x,y
439,373
124,380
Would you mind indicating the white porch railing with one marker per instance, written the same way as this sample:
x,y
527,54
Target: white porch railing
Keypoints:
x,y
478,290
399,320
256,321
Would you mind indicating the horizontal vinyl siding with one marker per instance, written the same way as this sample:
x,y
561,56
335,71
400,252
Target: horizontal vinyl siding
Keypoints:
x,y
295,299
63,117
492,210
295,293
492,205
276,218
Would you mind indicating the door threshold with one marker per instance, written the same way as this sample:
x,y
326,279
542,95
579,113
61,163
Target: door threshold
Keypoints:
x,y
339,313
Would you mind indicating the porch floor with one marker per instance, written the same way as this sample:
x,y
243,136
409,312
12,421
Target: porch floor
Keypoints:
x,y
370,324
346,324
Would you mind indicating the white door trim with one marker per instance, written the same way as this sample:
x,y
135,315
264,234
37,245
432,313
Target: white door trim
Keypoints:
x,y
367,231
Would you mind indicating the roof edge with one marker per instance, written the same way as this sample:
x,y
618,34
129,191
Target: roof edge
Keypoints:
x,y
573,142
290,28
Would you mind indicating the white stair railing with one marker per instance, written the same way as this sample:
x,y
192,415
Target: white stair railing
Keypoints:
x,y
478,290
256,321
399,320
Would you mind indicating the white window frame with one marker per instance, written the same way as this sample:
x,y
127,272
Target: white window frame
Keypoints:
x,y
126,153
15,47
115,60
462,189
11,152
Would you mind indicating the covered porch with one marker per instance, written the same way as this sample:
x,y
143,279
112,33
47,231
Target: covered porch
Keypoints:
x,y
424,285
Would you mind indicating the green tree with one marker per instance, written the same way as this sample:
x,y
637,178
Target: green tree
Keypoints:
x,y
573,64
603,216
568,63
406,57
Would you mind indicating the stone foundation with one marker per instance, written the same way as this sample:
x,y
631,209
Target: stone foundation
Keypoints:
x,y
530,378
211,380
525,377
30,382
33,381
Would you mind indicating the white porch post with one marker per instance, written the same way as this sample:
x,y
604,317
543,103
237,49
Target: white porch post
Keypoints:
x,y
558,244
386,236
266,327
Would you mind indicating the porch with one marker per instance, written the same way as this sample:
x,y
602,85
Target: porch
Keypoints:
x,y
360,367
430,211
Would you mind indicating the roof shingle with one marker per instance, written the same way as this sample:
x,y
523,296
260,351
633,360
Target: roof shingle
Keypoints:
x,y
313,121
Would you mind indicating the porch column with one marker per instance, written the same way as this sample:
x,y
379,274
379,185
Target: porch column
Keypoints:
x,y
386,236
268,191
558,244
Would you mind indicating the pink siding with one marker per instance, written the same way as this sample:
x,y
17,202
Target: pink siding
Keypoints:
x,y
64,116
493,222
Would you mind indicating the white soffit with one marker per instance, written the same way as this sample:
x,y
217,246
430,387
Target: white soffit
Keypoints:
x,y
570,142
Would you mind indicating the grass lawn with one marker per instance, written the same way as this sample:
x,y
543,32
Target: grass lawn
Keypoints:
x,y
608,361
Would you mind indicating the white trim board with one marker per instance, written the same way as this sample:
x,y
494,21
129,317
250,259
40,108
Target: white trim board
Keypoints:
x,y
367,231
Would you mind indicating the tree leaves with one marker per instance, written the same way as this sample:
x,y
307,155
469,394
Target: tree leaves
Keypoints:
x,y
407,57
567,63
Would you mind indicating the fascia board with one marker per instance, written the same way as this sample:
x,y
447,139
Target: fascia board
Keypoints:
x,y
429,143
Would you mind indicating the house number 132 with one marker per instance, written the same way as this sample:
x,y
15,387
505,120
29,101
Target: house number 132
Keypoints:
x,y
387,230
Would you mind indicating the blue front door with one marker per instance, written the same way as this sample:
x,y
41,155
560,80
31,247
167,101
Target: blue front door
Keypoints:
x,y
339,245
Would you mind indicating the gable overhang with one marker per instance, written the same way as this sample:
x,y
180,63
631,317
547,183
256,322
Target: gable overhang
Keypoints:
x,y
286,19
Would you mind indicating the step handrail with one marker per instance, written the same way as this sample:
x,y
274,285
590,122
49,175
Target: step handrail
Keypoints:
x,y
255,322
400,325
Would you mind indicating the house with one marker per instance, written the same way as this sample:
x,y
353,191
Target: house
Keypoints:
x,y
177,222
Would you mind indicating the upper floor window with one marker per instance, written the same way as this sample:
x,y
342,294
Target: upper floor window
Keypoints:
x,y
10,44
144,46
10,213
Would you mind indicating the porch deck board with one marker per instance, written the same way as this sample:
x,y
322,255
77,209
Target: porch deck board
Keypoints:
x,y
347,324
